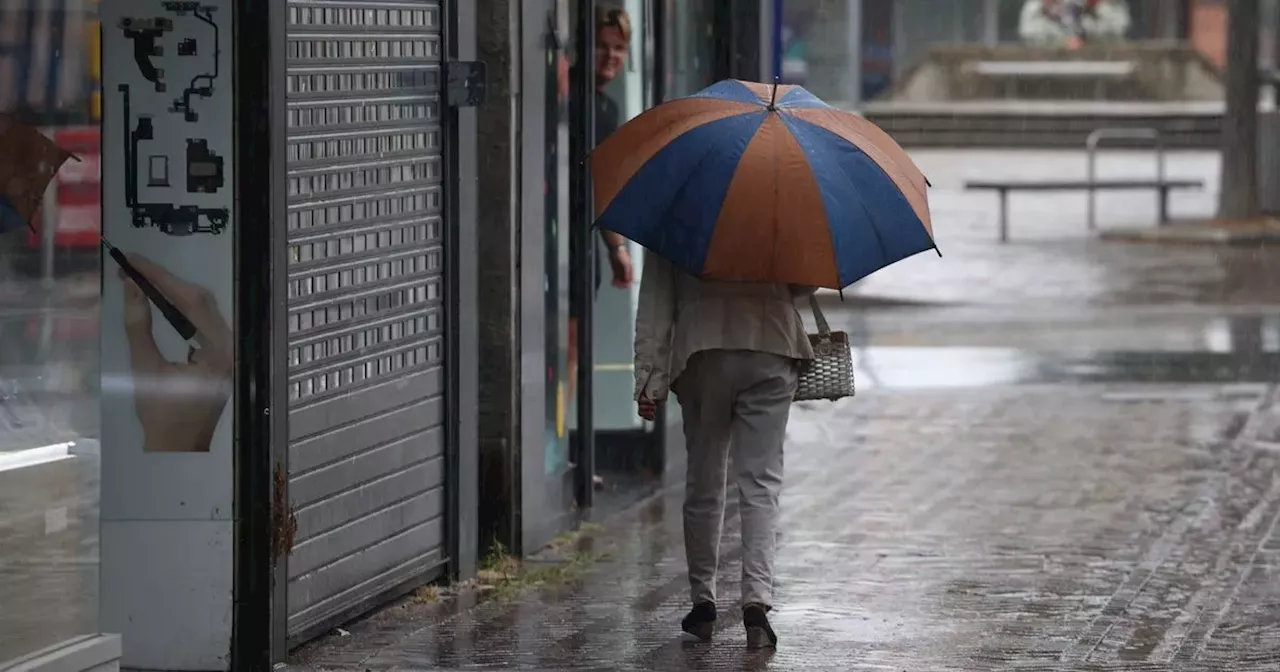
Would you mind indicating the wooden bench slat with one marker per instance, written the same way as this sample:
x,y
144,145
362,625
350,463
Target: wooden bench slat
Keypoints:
x,y
1054,68
1076,185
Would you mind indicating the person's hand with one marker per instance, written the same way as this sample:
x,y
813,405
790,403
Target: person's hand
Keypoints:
x,y
620,262
1074,42
648,408
178,403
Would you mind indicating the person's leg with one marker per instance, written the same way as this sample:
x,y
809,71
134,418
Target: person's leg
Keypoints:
x,y
760,415
706,402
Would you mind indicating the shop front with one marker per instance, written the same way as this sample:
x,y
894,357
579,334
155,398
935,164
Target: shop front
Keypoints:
x,y
50,360
629,56
237,386
584,452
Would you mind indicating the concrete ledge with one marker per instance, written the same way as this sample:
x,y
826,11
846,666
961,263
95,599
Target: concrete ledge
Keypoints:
x,y
90,653
1260,232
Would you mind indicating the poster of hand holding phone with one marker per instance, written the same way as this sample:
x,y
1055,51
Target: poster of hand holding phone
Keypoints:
x,y
168,346
168,277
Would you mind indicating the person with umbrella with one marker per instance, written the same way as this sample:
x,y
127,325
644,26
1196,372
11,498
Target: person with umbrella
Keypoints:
x,y
748,197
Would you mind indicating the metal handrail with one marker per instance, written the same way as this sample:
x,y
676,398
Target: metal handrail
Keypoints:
x,y
1091,146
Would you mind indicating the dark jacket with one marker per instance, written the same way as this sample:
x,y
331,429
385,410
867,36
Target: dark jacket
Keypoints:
x,y
608,116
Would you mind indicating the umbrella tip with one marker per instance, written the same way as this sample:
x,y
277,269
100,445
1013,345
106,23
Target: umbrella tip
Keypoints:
x,y
773,97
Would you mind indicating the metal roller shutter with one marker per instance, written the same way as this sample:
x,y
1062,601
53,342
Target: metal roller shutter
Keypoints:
x,y
366,302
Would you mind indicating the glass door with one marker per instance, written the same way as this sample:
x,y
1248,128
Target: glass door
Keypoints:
x,y
556,467
614,455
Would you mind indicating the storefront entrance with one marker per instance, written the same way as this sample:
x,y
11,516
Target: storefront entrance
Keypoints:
x,y
372,307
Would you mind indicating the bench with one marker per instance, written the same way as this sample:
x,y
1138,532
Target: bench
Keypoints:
x,y
1113,69
1004,187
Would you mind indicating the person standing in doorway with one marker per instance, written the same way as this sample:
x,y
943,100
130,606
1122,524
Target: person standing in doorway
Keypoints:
x,y
612,44
732,354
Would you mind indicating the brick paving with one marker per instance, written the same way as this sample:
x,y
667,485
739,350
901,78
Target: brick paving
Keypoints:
x,y
1092,527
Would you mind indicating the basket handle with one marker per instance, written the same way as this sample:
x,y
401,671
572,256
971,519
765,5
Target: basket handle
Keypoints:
x,y
824,329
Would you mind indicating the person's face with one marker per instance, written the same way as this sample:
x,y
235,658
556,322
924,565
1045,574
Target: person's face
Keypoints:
x,y
611,54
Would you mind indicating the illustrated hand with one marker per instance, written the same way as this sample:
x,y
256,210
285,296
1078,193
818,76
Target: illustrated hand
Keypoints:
x,y
178,403
623,271
648,408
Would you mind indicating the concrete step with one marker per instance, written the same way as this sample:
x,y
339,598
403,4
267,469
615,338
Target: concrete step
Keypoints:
x,y
1020,127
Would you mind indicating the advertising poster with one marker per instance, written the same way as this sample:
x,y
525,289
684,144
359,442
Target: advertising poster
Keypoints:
x,y
167,347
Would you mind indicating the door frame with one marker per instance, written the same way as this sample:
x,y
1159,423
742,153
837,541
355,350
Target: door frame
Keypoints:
x,y
462,467
582,138
263,516
259,575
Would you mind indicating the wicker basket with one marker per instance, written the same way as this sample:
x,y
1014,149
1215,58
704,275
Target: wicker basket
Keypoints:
x,y
829,375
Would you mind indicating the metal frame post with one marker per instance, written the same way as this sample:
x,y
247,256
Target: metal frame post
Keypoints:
x,y
853,66
1091,147
48,232
462,338
580,226
259,616
1004,215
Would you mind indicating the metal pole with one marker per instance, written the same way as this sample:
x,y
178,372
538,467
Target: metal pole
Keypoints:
x,y
991,22
853,60
48,232
1091,148
586,459
1091,145
1162,194
1004,215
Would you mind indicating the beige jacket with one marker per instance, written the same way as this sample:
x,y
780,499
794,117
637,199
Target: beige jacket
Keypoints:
x,y
679,315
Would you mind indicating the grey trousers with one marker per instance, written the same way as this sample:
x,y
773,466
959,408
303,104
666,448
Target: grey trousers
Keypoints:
x,y
734,401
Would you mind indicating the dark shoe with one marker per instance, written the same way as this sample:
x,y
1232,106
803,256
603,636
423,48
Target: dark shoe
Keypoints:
x,y
701,621
759,632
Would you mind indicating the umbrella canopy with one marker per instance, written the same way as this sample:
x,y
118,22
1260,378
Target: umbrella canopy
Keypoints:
x,y
755,182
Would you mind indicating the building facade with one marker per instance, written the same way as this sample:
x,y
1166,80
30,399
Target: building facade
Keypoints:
x,y
336,366
852,51
239,387
365,210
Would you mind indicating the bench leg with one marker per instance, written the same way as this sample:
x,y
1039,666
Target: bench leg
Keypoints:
x,y
1004,215
1163,205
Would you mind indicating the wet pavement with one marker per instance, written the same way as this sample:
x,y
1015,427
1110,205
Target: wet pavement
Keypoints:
x,y
1052,259
1063,456
1118,527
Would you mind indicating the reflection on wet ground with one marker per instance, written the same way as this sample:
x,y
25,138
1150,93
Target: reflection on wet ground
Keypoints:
x,y
1063,456
1024,488
907,367
1107,527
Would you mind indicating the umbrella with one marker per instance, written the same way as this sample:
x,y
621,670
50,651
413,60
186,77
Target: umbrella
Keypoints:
x,y
767,183
29,162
